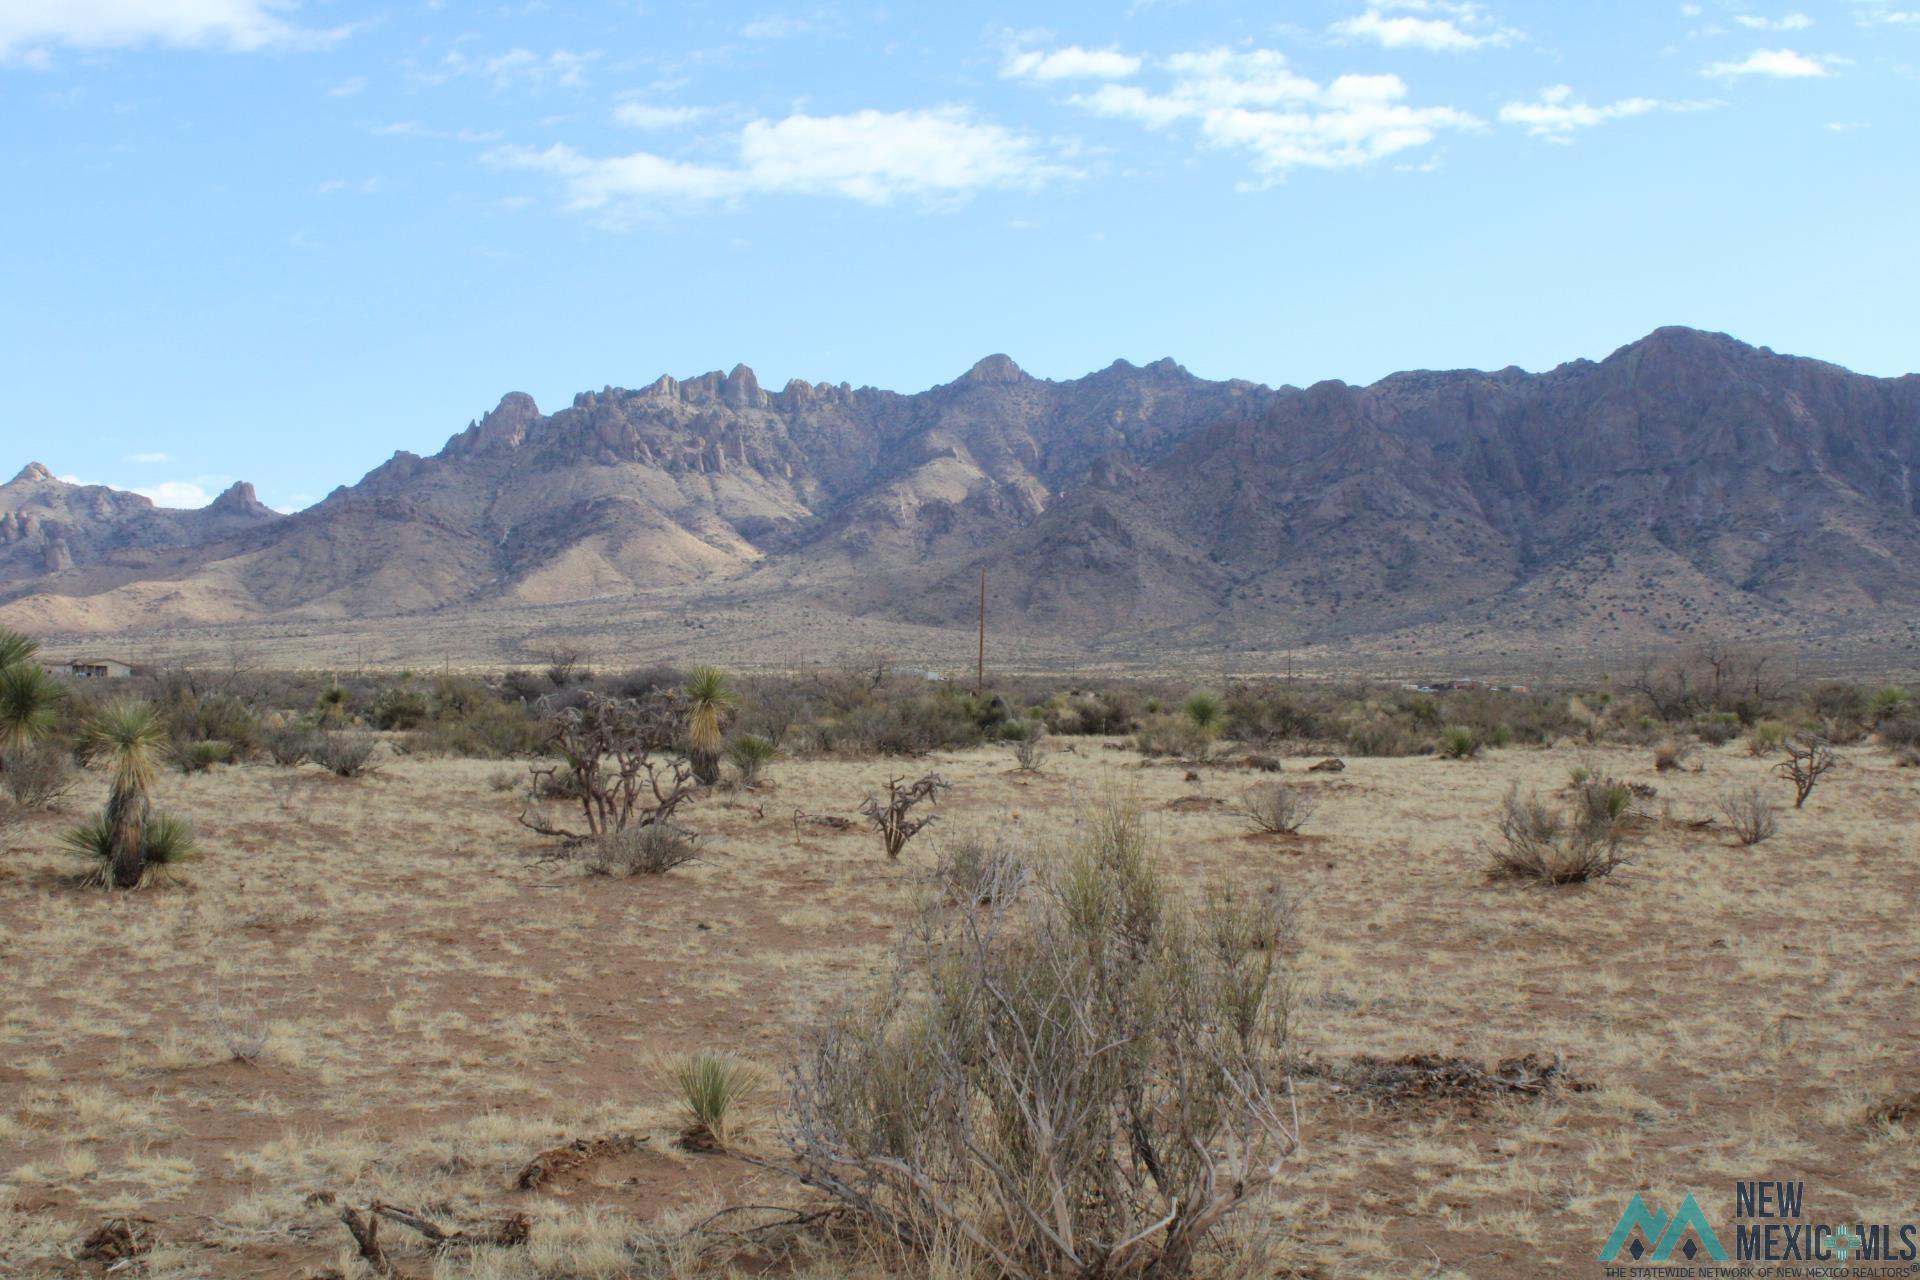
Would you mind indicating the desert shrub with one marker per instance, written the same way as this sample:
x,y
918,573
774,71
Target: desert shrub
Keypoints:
x,y
1807,759
1895,731
487,729
1082,1079
893,819
1671,753
750,754
1888,702
622,764
1536,842
1027,738
1106,713
213,717
912,725
1167,735
1751,814
1384,737
652,850
1268,715
1906,757
345,753
198,757
1602,802
1277,808
288,744
1458,742
1838,700
37,775
399,708
1765,737
979,869
713,1089
1717,728
168,844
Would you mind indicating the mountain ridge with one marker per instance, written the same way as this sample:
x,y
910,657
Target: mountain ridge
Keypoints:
x,y
1686,482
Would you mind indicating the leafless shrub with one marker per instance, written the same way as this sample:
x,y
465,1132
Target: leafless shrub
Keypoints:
x,y
564,665
891,819
981,869
37,775
346,754
651,850
1751,814
1028,739
1078,1081
1277,807
288,745
1536,842
1807,759
619,763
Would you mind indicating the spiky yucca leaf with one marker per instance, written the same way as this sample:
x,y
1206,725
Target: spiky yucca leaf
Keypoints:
x,y
131,736
29,702
16,649
713,1086
168,843
709,697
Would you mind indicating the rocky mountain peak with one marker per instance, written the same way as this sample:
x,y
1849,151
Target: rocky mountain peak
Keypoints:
x,y
239,499
995,370
33,473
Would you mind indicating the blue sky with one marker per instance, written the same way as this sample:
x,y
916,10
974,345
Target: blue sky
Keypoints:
x,y
278,241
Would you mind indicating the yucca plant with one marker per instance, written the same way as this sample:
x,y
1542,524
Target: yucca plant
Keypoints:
x,y
29,698
713,1087
750,753
166,842
1458,742
198,757
131,737
15,648
333,705
1204,710
709,697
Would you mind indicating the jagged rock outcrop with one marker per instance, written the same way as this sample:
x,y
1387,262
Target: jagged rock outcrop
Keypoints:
x,y
1687,483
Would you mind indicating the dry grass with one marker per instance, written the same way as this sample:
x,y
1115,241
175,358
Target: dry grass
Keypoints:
x,y
426,1006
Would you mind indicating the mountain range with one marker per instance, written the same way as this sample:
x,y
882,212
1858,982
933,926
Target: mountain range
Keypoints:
x,y
1686,486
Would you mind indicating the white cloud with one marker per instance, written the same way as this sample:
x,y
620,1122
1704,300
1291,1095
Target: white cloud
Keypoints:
x,y
348,88
1437,35
1253,102
1556,114
1780,63
518,67
149,457
183,494
875,157
1070,63
641,115
29,27
1791,22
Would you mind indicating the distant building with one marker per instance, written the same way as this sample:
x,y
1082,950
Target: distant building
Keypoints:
x,y
94,669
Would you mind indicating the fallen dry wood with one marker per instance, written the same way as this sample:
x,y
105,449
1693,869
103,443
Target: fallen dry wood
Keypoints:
x,y
558,1160
364,1226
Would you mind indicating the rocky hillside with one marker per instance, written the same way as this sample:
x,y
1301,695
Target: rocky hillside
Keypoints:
x,y
1688,483
48,525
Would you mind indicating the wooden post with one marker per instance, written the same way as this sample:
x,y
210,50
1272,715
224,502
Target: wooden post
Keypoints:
x,y
980,669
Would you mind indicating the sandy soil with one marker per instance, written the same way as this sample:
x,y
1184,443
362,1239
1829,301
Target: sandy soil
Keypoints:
x,y
427,1006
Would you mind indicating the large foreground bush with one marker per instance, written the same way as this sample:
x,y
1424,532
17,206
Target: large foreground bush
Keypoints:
x,y
1074,1078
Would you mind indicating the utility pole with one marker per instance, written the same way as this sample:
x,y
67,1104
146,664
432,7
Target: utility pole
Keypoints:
x,y
980,670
